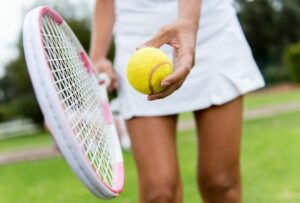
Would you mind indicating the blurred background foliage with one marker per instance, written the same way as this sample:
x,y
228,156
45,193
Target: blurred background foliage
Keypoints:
x,y
16,93
292,59
271,28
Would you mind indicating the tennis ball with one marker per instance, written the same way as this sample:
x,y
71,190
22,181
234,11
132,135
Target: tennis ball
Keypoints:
x,y
146,68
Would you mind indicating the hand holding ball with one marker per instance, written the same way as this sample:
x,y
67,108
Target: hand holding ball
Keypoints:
x,y
146,69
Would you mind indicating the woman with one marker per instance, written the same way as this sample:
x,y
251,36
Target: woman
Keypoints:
x,y
213,69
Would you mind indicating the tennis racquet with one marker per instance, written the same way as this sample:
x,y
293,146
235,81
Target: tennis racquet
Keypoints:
x,y
74,104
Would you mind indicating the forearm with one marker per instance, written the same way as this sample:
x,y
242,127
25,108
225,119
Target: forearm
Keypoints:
x,y
102,26
190,11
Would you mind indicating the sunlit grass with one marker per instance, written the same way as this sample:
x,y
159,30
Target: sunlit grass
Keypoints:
x,y
270,164
25,142
260,100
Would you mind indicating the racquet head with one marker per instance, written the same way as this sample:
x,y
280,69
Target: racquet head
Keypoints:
x,y
75,106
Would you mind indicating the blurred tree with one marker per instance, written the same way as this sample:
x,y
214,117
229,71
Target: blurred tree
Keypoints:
x,y
292,58
290,22
259,20
17,97
16,93
270,27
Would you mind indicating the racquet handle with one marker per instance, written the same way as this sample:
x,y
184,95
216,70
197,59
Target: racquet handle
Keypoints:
x,y
104,82
104,79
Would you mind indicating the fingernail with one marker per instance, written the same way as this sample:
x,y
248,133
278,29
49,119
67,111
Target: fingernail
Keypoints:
x,y
150,98
140,46
165,84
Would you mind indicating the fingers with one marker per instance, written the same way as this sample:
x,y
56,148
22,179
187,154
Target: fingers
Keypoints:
x,y
175,59
187,58
113,80
106,67
168,91
178,75
163,94
176,79
183,42
162,37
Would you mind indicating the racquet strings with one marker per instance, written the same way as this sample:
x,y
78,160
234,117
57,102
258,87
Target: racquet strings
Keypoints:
x,y
77,93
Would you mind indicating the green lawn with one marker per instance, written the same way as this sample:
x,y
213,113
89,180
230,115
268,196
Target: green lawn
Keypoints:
x,y
271,160
262,99
270,164
25,142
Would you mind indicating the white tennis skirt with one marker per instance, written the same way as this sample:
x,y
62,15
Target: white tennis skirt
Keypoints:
x,y
224,67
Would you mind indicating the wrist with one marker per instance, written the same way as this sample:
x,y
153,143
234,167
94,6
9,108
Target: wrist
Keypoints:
x,y
189,23
97,57
190,12
97,53
101,60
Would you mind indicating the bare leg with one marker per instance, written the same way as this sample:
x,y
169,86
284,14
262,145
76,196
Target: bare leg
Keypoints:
x,y
219,137
154,150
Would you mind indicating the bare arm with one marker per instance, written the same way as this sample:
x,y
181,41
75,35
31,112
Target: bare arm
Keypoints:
x,y
102,25
190,11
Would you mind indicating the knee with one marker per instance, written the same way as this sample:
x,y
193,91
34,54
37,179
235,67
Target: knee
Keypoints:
x,y
220,186
160,195
162,192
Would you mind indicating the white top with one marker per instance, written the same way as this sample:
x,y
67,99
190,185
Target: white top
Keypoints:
x,y
224,66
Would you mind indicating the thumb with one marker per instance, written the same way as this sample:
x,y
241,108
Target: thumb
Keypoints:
x,y
160,38
178,75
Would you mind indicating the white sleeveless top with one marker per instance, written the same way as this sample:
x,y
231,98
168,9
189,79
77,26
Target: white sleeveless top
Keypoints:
x,y
224,66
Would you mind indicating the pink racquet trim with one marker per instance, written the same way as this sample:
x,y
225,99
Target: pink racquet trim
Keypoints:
x,y
58,19
119,170
106,112
58,109
86,63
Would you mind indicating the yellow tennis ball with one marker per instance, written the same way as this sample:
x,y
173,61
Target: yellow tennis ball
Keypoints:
x,y
146,68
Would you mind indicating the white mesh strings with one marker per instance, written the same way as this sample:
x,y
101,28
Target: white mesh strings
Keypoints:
x,y
77,92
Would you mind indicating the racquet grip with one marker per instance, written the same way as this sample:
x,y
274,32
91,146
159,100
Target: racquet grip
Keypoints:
x,y
104,79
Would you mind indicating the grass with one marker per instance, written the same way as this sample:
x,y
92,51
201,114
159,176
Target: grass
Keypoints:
x,y
25,142
270,159
51,181
270,165
261,99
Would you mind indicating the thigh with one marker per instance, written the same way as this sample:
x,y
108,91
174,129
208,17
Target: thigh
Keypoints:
x,y
154,150
219,138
